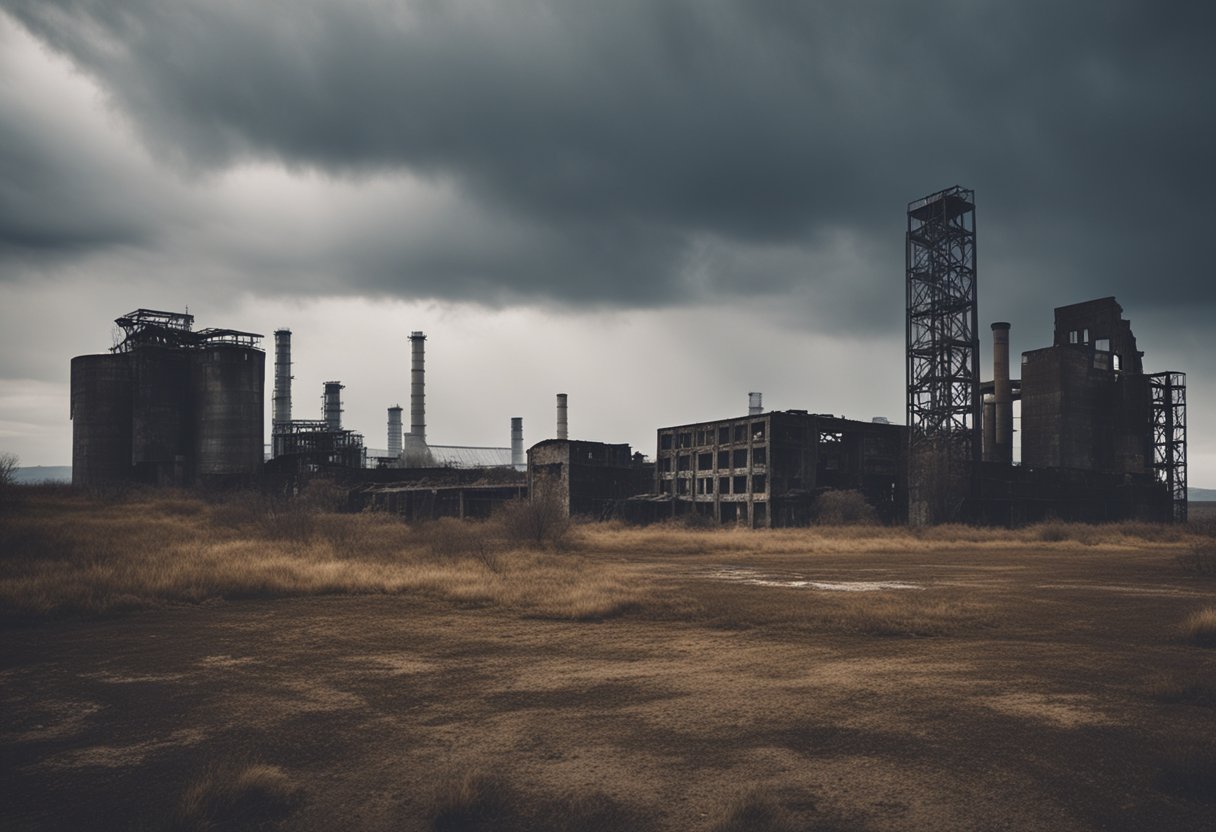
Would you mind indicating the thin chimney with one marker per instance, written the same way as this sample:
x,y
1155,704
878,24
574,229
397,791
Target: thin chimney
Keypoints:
x,y
282,377
418,386
562,428
517,443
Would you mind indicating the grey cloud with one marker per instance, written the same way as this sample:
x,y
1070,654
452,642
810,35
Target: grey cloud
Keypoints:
x,y
610,140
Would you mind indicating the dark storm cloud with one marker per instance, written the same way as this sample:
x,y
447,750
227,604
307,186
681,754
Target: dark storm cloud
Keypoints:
x,y
620,142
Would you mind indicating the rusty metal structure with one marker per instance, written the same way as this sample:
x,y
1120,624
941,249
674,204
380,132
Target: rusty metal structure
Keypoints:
x,y
1168,396
169,405
942,358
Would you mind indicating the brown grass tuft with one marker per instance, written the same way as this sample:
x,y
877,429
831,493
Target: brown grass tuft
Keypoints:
x,y
1200,627
1183,690
1200,559
481,803
237,797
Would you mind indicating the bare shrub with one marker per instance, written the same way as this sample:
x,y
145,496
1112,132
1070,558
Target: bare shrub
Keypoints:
x,y
1200,627
844,508
323,494
537,522
1200,560
447,537
8,480
1183,690
756,813
480,803
228,797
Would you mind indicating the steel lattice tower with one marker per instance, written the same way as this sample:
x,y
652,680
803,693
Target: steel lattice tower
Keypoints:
x,y
1169,437
943,351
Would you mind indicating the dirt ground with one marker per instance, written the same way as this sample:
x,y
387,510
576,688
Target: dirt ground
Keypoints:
x,y
1044,712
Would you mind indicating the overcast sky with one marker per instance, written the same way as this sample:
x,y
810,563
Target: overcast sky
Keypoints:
x,y
654,206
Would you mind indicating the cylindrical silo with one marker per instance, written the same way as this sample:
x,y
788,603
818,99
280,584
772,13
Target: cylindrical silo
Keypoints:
x,y
332,405
229,384
160,414
101,419
394,431
517,443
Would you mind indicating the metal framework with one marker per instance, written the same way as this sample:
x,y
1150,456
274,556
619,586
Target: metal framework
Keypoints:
x,y
1169,437
152,327
944,408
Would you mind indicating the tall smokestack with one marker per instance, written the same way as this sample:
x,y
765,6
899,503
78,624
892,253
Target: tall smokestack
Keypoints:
x,y
394,431
281,413
517,443
418,386
333,405
562,432
1002,394
755,404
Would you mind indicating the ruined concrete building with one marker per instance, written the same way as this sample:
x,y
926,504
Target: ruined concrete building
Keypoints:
x,y
587,479
764,470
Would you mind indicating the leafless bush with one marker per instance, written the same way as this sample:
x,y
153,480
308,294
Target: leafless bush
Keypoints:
x,y
8,480
447,537
244,797
844,508
538,522
1200,560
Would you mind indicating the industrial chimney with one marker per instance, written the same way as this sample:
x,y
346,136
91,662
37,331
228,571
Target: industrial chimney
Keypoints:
x,y
418,386
333,405
1002,394
517,443
281,413
562,432
754,405
394,431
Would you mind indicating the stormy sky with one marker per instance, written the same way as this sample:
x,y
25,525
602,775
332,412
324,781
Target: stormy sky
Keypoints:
x,y
655,206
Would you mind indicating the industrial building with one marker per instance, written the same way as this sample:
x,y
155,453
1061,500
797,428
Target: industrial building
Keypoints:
x,y
1101,440
587,479
764,470
169,405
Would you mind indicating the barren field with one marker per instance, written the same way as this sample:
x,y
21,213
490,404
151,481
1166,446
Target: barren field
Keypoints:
x,y
169,663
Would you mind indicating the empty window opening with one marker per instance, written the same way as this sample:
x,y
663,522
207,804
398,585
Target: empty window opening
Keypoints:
x,y
684,462
723,459
723,485
740,433
664,441
700,437
759,456
664,486
740,485
723,435
686,439
758,431
705,462
665,465
759,484
739,458
700,485
682,486
760,514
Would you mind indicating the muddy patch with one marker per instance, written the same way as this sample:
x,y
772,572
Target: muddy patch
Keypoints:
x,y
753,577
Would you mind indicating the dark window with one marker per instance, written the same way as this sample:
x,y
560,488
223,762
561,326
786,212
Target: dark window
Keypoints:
x,y
723,435
723,485
740,485
723,459
664,441
664,464
682,485
740,433
759,456
684,462
664,486
757,431
739,459
686,439
700,486
700,437
705,462
759,486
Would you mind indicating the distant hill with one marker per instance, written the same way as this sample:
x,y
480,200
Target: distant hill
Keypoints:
x,y
1201,495
43,473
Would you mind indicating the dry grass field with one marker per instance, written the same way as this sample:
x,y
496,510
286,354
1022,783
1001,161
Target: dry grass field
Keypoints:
x,y
170,662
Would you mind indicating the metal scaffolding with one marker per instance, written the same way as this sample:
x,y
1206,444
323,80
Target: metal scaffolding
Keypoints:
x,y
1169,437
944,409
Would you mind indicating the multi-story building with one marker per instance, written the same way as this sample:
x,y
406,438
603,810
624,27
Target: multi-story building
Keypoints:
x,y
765,470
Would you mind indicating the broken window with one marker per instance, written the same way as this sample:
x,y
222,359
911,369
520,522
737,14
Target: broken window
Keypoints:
x,y
759,484
740,485
664,465
723,459
829,437
700,486
758,431
739,459
740,433
705,462
759,456
723,485
686,439
684,462
664,441
682,486
700,437
723,435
